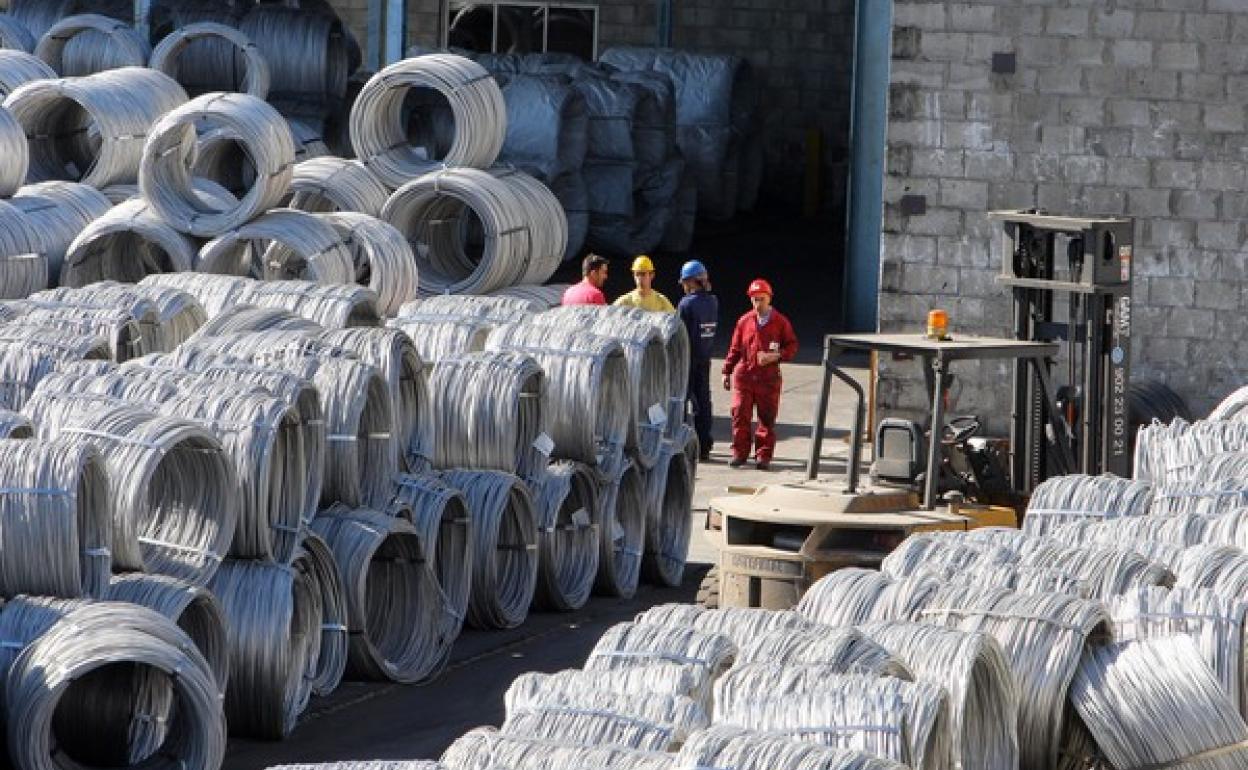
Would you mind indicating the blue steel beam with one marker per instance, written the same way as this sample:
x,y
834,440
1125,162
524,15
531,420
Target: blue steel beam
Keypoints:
x,y
396,30
663,23
372,47
143,18
867,141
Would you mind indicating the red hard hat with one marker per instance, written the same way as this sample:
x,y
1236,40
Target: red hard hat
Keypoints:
x,y
759,286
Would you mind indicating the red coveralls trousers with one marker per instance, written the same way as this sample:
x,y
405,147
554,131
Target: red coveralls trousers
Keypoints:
x,y
746,398
756,387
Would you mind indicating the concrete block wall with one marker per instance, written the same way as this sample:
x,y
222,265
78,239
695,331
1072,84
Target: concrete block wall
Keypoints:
x,y
1134,107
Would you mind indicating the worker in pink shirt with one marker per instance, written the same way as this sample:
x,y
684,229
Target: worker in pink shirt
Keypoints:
x,y
589,290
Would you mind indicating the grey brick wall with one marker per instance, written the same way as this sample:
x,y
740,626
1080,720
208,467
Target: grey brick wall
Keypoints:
x,y
1135,107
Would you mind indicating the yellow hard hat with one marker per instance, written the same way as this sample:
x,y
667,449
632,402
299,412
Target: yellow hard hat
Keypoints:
x,y
643,265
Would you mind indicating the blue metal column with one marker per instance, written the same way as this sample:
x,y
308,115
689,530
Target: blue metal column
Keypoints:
x,y
396,30
867,142
143,18
372,48
663,23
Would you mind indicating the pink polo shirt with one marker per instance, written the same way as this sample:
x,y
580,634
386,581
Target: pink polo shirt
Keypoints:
x,y
584,293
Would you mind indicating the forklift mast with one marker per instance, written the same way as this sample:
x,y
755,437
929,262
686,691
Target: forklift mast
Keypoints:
x,y
1088,261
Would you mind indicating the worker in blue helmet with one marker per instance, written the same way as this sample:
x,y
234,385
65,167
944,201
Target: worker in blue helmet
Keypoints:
x,y
699,310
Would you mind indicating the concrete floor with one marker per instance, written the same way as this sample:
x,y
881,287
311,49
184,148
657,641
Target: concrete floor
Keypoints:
x,y
377,721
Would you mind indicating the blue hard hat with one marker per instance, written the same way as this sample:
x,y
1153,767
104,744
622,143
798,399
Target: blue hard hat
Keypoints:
x,y
692,269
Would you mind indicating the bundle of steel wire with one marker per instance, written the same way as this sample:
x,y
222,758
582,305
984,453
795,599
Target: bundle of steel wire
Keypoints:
x,y
374,764
1025,579
1213,620
326,184
626,646
333,306
126,338
382,258
622,538
903,721
1173,452
215,293
15,425
171,487
536,298
307,53
849,597
124,656
90,43
576,709
726,746
27,360
15,37
588,400
669,508
487,747
1181,531
392,594
438,211
53,516
16,149
941,554
1155,704
177,313
394,356
380,127
442,519
440,338
92,129
499,310
591,727
973,670
244,69
568,532
1223,568
1065,499
504,562
282,244
57,212
273,623
652,679
23,261
1209,498
1006,537
108,299
126,244
18,68
1044,637
844,649
1107,570
193,608
486,409
165,175
647,368
263,437
549,223
314,563
243,319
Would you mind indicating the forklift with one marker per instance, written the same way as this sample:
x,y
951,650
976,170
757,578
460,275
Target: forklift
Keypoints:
x,y
1069,280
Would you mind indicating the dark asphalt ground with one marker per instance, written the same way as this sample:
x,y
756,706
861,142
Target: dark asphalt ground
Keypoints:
x,y
387,721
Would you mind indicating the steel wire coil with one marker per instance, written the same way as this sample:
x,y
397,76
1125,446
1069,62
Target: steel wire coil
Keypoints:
x,y
486,746
57,212
504,562
165,175
128,321
622,538
315,562
18,68
740,624
975,675
53,525
852,596
89,43
441,517
568,532
436,213
549,228
903,721
125,337
81,661
170,488
1066,499
669,509
16,151
70,382
15,37
193,608
589,396
382,259
1025,579
307,54
272,623
486,410
15,425
1107,570
1220,567
23,259
126,244
846,650
597,727
1155,704
282,244
331,306
248,74
262,436
625,646
1171,453
647,366
37,16
941,555
216,293
322,185
1044,637
394,356
654,679
499,310
537,298
92,129
243,319
1212,620
29,356
392,594
440,338
727,746
177,313
379,130
373,764
309,142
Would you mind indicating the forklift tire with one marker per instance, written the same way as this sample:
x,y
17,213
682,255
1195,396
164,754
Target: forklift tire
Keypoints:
x,y
708,591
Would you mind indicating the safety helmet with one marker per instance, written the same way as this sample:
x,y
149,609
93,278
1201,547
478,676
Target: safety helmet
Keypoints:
x,y
692,269
759,286
643,265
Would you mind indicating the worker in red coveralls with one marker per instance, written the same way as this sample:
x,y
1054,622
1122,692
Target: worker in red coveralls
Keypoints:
x,y
762,339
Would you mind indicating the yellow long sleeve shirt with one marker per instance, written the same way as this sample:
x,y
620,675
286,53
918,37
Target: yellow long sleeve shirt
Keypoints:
x,y
654,302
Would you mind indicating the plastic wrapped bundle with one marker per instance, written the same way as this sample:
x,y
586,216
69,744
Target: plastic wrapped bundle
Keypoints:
x,y
89,43
486,746
573,195
1067,499
1044,638
678,236
58,211
726,746
846,650
654,122
307,54
849,597
902,721
547,124
611,106
566,496
207,56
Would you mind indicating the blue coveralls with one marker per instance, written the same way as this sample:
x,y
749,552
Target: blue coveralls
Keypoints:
x,y
700,313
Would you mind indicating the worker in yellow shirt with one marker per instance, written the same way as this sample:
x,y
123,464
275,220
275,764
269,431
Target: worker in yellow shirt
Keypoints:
x,y
644,296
